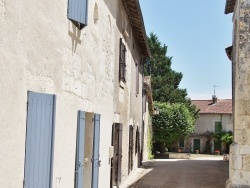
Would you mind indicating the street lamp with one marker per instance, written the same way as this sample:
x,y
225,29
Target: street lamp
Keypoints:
x,y
156,111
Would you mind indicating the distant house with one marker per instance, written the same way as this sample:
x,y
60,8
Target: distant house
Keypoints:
x,y
213,113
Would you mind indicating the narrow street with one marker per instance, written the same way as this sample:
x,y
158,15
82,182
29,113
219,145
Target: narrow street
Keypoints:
x,y
177,173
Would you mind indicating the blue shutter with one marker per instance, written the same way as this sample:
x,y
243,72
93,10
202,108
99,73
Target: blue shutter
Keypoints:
x,y
80,149
39,141
95,160
78,12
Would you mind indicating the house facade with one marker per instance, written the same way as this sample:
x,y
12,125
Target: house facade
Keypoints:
x,y
238,53
72,88
214,116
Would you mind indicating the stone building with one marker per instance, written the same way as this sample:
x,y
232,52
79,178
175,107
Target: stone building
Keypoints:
x,y
214,116
71,87
239,53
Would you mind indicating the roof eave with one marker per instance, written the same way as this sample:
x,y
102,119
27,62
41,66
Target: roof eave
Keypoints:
x,y
135,17
229,52
229,8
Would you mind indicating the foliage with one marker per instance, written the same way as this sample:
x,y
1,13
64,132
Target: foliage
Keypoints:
x,y
150,139
173,123
227,137
223,136
165,81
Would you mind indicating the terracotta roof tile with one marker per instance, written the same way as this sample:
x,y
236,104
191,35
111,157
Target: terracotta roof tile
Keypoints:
x,y
223,106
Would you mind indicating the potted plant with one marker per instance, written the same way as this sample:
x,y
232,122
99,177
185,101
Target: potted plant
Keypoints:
x,y
217,152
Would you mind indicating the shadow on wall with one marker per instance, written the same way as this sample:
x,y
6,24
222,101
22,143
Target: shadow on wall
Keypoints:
x,y
75,35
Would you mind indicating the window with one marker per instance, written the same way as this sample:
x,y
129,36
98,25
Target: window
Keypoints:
x,y
181,143
78,12
122,62
217,126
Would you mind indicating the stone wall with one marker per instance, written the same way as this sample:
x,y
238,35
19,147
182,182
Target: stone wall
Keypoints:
x,y
239,172
42,51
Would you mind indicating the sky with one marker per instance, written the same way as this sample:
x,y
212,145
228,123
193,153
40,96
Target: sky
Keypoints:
x,y
196,33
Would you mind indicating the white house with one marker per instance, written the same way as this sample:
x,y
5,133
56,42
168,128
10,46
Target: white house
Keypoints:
x,y
71,85
214,116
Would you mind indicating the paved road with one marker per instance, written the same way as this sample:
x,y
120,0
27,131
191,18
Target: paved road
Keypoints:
x,y
172,173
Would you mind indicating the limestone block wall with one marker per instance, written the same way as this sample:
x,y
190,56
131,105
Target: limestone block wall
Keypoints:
x,y
42,51
239,172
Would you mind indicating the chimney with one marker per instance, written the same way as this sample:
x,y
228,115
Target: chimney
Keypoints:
x,y
214,99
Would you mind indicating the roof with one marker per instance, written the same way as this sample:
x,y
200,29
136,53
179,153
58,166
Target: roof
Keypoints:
x,y
135,17
229,52
229,8
223,106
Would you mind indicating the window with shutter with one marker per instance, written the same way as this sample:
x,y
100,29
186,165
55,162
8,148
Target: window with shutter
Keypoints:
x,y
78,12
217,126
122,62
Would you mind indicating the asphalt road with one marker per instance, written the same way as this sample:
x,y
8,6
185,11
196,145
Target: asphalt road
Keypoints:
x,y
174,173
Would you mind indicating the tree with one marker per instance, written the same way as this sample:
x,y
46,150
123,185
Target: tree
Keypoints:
x,y
177,114
173,123
165,81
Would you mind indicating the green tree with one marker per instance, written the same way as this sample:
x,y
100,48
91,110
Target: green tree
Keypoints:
x,y
165,81
173,123
177,114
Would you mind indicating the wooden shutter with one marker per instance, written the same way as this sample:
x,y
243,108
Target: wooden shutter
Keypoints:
x,y
131,146
117,159
78,12
119,155
122,62
96,147
217,126
79,164
39,140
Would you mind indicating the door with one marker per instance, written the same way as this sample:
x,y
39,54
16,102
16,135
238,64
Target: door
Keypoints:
x,y
39,145
197,145
79,164
95,160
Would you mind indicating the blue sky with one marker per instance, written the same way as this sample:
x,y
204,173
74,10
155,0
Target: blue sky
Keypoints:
x,y
196,33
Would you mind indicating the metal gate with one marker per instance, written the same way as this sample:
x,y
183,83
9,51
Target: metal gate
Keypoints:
x,y
39,140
